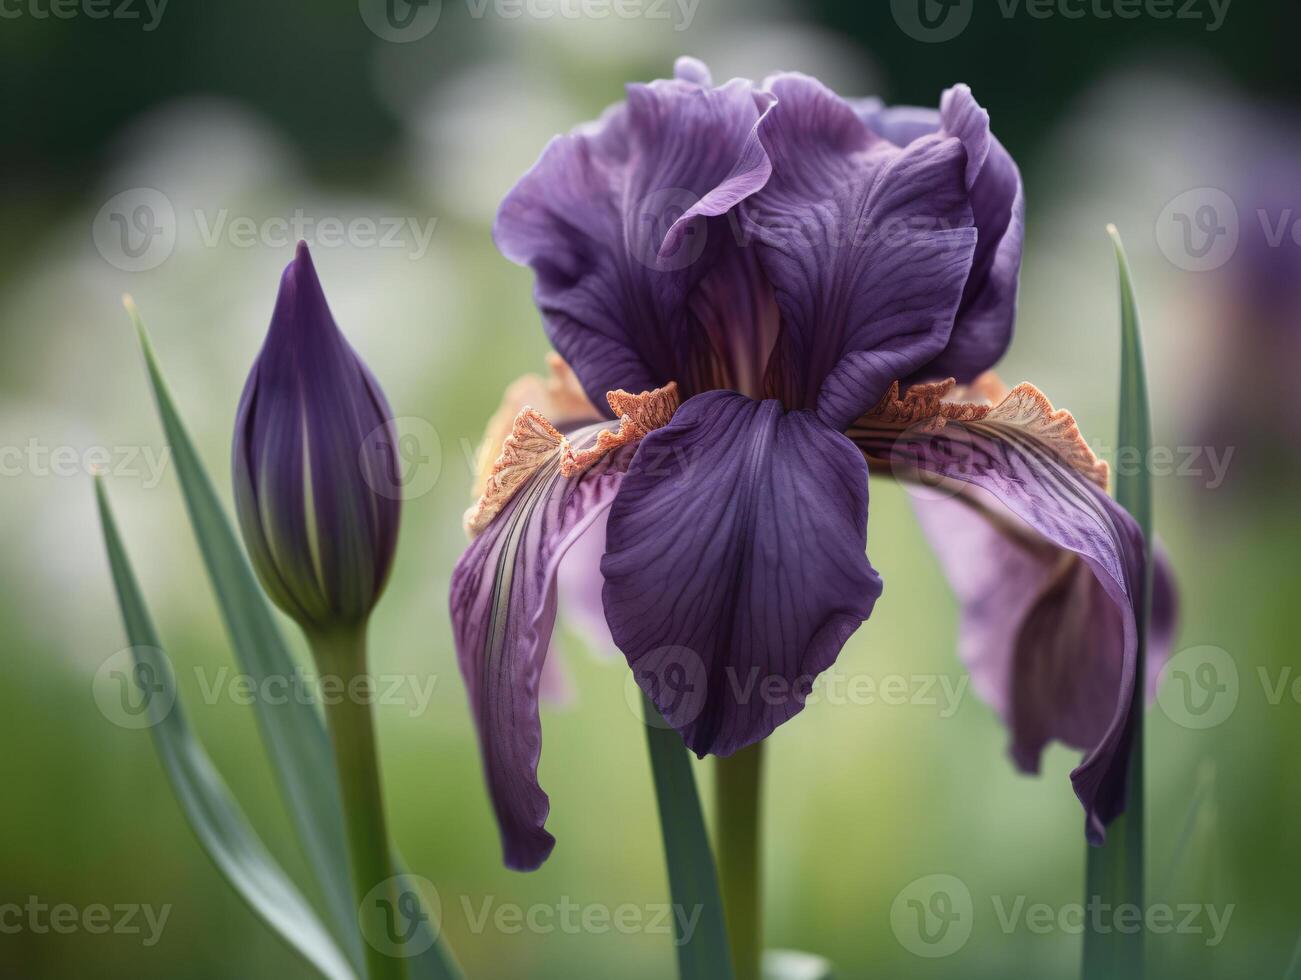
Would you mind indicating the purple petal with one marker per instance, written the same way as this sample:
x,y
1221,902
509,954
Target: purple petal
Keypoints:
x,y
503,606
581,584
735,566
1045,565
620,222
983,328
868,247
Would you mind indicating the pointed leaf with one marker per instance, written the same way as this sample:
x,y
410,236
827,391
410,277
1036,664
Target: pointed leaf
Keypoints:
x,y
1115,871
216,818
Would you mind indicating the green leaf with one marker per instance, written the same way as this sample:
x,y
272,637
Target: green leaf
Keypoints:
x,y
1115,872
789,964
292,729
693,880
216,818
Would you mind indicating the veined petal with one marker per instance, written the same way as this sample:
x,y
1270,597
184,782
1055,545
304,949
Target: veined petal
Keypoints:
x,y
546,492
613,219
982,330
867,245
1046,566
735,565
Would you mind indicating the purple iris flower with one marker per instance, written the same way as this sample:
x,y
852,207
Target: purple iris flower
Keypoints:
x,y
744,275
314,468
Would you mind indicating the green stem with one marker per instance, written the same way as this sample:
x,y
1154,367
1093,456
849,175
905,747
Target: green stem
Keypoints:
x,y
343,656
738,782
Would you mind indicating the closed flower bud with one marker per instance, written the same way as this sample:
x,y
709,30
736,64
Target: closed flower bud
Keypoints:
x,y
313,454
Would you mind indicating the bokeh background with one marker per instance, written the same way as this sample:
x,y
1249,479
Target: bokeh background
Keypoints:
x,y
244,112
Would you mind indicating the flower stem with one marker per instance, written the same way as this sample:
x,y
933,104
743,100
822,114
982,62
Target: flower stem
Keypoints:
x,y
352,731
738,781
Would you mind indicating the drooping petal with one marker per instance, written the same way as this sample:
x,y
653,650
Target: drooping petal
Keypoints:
x,y
581,584
868,247
620,223
544,494
735,565
983,328
1046,566
503,607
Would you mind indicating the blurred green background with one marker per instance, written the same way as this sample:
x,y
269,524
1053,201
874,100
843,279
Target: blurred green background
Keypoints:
x,y
240,113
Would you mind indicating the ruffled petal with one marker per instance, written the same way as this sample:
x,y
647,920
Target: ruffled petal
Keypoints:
x,y
983,328
867,245
735,565
1045,565
615,221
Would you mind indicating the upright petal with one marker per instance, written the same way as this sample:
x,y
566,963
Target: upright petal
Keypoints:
x,y
982,330
615,221
1046,566
868,247
735,565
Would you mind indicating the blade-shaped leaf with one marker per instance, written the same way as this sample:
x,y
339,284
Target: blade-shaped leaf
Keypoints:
x,y
693,880
1115,872
790,964
292,728
216,818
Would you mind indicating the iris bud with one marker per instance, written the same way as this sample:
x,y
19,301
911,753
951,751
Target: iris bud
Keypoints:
x,y
313,456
